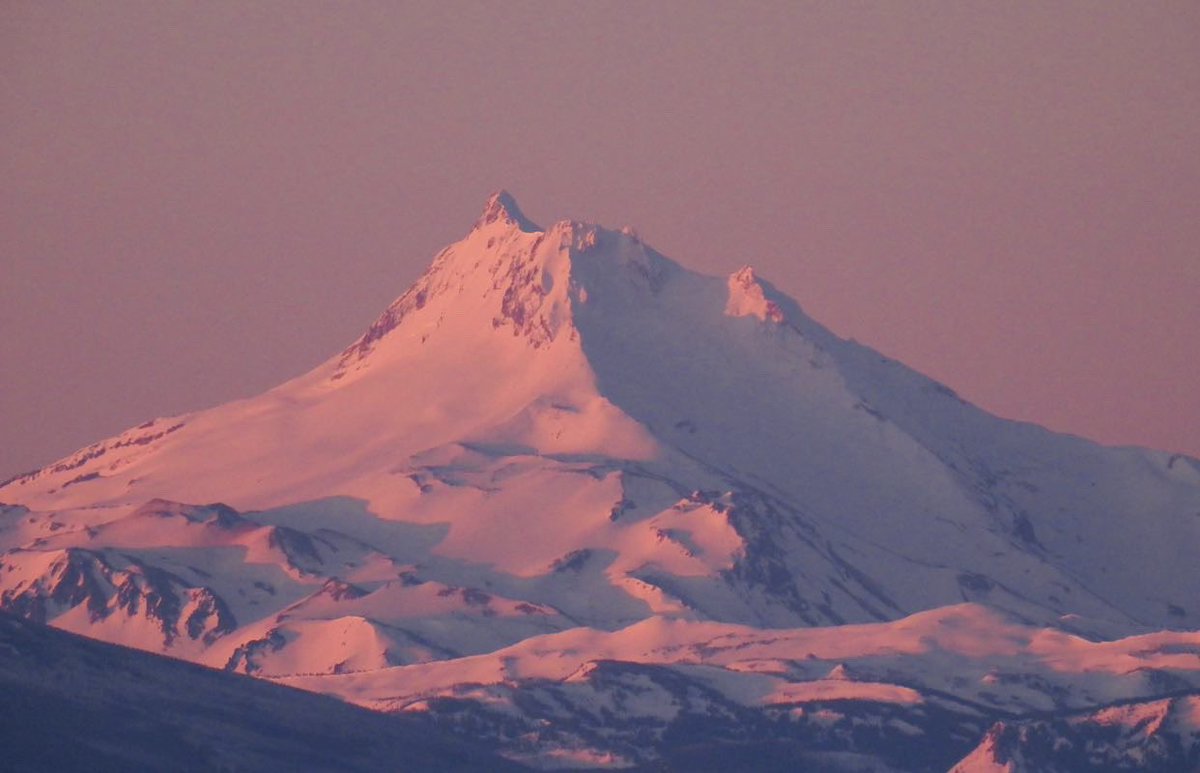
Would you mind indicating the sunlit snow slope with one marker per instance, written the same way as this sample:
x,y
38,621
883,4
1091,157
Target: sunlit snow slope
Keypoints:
x,y
561,430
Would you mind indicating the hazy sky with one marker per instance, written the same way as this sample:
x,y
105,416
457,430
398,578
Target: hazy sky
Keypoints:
x,y
199,200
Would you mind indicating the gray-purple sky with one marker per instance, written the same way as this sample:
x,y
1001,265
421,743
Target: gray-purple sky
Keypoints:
x,y
200,200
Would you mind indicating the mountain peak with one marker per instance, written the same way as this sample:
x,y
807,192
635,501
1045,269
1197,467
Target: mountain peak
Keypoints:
x,y
501,207
558,448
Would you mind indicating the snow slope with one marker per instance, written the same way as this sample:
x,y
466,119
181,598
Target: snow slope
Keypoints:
x,y
562,433
1155,735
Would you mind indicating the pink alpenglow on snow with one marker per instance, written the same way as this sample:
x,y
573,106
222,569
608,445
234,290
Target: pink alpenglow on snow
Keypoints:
x,y
573,498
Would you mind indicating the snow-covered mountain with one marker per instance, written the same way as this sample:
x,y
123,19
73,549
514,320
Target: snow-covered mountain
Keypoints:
x,y
563,481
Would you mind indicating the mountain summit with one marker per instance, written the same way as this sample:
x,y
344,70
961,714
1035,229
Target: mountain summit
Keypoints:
x,y
559,440
502,207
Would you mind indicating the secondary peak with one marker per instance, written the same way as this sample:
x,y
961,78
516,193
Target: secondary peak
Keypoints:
x,y
748,297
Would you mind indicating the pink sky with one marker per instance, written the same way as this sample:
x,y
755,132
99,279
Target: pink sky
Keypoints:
x,y
199,201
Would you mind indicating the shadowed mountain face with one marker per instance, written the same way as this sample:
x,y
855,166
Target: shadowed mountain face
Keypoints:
x,y
559,451
72,704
